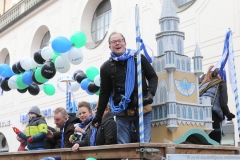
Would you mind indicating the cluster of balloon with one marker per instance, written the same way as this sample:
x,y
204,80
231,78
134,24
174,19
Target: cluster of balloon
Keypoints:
x,y
90,82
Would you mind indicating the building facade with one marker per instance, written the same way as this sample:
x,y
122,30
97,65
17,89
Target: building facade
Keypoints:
x,y
30,24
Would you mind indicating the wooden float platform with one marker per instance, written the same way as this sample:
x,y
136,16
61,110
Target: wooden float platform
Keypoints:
x,y
153,151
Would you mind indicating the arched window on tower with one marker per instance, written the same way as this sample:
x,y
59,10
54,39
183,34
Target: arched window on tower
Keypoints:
x,y
184,111
158,66
164,94
183,65
188,65
160,113
162,26
178,64
195,113
155,113
179,43
207,115
189,113
175,26
161,94
201,114
160,47
165,111
168,25
163,65
178,112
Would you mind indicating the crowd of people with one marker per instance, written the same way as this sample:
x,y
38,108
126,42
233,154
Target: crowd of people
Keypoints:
x,y
118,97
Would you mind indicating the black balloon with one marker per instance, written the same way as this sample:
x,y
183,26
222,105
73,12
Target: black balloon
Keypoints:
x,y
38,57
33,89
4,85
22,90
80,76
92,87
14,68
48,70
76,72
19,67
34,79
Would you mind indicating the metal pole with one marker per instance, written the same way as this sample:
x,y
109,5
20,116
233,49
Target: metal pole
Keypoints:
x,y
139,76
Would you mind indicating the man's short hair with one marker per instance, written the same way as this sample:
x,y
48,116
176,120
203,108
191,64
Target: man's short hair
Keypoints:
x,y
109,42
62,111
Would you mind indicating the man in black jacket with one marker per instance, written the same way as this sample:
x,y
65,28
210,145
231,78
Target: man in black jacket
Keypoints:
x,y
119,83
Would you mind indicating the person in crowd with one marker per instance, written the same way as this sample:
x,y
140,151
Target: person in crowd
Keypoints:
x,y
23,143
119,84
66,125
36,130
106,132
52,143
214,87
85,115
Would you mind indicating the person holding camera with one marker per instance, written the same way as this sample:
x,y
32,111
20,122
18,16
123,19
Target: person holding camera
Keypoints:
x,y
119,85
214,87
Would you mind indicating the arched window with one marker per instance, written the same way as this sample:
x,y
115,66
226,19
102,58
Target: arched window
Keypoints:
x,y
179,46
161,94
178,112
101,20
155,113
162,26
45,40
165,112
178,64
184,111
160,113
163,65
195,113
189,113
201,114
175,25
188,65
164,94
207,115
183,65
168,25
174,109
158,66
160,47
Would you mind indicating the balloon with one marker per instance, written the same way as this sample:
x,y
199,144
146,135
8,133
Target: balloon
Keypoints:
x,y
78,39
92,72
38,75
4,85
34,79
34,64
74,86
12,82
47,53
76,72
88,92
14,68
48,70
19,67
48,89
75,56
22,90
97,80
92,87
80,76
27,77
84,83
33,89
37,57
26,63
62,65
20,83
98,92
65,55
6,71
61,44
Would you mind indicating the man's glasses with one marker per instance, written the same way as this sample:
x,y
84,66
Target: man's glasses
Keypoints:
x,y
117,41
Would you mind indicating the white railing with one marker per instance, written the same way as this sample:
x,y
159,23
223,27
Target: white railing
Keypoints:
x,y
14,13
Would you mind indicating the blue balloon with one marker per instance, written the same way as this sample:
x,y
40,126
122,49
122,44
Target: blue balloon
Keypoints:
x,y
84,83
61,44
27,77
6,71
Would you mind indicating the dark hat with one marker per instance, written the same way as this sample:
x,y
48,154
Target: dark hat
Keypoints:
x,y
35,110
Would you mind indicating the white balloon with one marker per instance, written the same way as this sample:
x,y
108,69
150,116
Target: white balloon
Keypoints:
x,y
62,65
47,53
12,82
34,64
75,56
26,63
97,80
65,55
74,86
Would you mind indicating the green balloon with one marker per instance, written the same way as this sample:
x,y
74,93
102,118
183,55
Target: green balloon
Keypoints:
x,y
49,89
92,72
91,158
38,75
78,39
54,58
20,83
56,53
98,92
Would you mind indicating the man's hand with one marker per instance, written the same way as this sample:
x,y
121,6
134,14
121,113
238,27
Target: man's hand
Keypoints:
x,y
30,139
230,116
49,134
16,130
75,147
148,99
96,120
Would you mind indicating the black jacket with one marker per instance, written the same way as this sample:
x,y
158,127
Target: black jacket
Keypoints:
x,y
148,74
52,143
106,133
